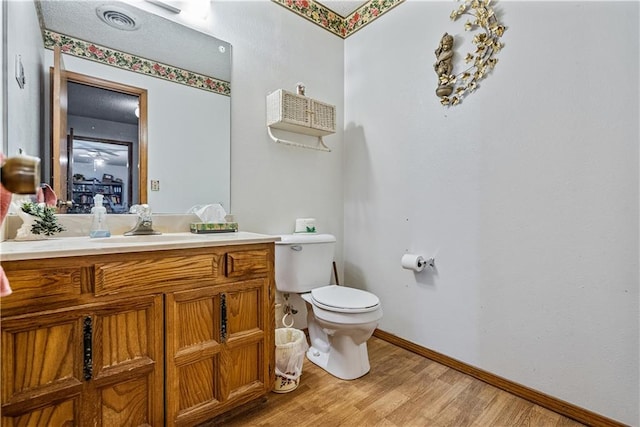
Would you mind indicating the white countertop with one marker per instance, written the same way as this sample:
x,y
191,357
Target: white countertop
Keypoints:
x,y
58,247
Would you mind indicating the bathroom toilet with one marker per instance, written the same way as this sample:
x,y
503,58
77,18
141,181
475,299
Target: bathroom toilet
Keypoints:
x,y
340,319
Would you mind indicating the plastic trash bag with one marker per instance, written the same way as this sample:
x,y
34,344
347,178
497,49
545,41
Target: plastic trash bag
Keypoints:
x,y
291,346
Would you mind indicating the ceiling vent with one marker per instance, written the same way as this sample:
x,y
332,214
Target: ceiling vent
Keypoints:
x,y
118,17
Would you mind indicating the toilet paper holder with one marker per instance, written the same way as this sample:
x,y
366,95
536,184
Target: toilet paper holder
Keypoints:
x,y
416,262
429,262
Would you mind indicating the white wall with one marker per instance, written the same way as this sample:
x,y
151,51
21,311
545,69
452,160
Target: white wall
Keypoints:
x,y
273,184
526,193
3,89
23,116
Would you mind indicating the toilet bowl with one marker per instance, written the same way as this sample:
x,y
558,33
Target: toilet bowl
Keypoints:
x,y
340,319
339,329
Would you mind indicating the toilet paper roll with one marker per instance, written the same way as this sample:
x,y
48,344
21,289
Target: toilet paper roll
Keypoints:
x,y
413,262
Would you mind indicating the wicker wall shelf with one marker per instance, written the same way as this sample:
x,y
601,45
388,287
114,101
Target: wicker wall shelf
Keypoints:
x,y
300,114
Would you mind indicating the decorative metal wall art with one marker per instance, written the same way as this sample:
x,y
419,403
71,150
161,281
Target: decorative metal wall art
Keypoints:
x,y
444,66
453,87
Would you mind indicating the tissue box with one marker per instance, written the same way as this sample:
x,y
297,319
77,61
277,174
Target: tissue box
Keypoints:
x,y
305,225
213,227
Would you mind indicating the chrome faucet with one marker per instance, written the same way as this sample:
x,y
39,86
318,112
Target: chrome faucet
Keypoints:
x,y
144,225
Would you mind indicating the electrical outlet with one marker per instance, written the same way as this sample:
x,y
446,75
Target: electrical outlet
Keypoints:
x,y
155,185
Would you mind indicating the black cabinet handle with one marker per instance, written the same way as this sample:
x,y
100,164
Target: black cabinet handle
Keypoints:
x,y
88,348
223,318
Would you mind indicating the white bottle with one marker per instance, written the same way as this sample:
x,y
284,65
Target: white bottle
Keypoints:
x,y
99,223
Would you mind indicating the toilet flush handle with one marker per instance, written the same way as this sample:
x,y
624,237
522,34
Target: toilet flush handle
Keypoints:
x,y
297,248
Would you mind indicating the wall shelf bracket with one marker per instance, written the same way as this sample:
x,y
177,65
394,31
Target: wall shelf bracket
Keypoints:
x,y
320,143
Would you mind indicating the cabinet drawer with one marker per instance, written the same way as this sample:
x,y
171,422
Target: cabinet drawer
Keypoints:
x,y
42,285
244,264
153,272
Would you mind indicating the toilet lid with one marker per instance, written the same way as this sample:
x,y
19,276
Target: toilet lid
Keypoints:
x,y
344,299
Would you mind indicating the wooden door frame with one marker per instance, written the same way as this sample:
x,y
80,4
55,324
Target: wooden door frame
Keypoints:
x,y
59,150
141,93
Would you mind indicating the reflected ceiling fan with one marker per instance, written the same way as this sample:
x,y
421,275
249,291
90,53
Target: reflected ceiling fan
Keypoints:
x,y
100,153
94,153
99,157
92,150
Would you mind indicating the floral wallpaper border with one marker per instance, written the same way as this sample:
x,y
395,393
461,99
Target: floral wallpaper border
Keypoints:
x,y
335,23
105,55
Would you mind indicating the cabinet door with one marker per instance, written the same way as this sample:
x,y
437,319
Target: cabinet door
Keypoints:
x,y
294,109
127,363
216,350
246,371
42,375
193,355
91,365
323,116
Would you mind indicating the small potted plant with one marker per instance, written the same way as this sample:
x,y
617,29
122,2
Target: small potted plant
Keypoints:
x,y
38,221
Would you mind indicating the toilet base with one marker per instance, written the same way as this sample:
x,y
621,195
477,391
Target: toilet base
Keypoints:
x,y
346,365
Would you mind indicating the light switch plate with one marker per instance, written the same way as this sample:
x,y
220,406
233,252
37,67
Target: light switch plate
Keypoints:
x,y
155,185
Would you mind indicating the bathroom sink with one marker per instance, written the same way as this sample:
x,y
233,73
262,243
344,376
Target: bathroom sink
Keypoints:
x,y
151,238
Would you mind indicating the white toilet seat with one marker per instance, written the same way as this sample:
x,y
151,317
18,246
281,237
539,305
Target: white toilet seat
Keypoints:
x,y
341,317
342,299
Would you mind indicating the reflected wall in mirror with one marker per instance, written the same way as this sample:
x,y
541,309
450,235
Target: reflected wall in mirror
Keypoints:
x,y
188,112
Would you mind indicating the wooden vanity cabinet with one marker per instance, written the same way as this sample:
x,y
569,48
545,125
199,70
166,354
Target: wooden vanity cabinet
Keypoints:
x,y
173,337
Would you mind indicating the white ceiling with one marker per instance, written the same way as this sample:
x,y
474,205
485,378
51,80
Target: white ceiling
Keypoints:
x,y
341,7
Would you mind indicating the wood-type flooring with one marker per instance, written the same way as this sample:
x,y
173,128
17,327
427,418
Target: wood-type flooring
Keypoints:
x,y
402,389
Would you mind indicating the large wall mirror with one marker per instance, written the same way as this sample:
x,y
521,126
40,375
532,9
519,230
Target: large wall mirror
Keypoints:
x,y
187,105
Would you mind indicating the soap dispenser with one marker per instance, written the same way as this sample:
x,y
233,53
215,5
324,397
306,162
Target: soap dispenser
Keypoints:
x,y
99,223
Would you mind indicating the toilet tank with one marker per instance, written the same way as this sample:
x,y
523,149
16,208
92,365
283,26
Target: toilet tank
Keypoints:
x,y
304,261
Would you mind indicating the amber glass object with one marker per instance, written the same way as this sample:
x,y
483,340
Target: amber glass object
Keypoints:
x,y
21,174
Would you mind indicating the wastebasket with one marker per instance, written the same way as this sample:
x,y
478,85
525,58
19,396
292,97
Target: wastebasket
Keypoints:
x,y
291,345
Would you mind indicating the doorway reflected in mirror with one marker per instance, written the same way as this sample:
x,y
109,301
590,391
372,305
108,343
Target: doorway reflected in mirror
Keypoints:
x,y
106,144
100,166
